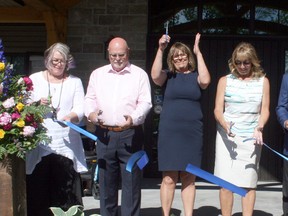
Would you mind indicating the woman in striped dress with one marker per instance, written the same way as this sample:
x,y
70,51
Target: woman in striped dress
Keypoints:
x,y
241,111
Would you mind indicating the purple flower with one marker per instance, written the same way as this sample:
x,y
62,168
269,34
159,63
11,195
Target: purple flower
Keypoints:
x,y
7,80
2,57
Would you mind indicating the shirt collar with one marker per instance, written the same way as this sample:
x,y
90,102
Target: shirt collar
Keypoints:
x,y
127,69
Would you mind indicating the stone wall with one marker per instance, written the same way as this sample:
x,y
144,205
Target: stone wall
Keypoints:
x,y
92,23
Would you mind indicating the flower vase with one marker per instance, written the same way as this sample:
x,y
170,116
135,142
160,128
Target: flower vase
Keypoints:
x,y
12,186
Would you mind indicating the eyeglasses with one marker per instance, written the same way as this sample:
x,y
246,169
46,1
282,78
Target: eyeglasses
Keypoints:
x,y
115,55
245,63
182,55
57,61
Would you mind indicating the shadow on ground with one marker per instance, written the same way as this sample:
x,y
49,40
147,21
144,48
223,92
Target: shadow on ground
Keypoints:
x,y
212,211
207,210
143,212
255,213
202,211
91,212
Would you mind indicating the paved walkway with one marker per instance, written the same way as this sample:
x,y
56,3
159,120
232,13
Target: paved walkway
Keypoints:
x,y
268,200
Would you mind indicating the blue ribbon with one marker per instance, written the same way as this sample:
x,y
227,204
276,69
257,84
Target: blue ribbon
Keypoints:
x,y
214,179
277,153
141,158
96,173
78,129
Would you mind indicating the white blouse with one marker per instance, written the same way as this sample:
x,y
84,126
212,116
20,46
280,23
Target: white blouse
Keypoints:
x,y
66,97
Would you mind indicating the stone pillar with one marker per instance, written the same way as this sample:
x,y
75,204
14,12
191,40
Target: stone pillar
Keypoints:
x,y
12,187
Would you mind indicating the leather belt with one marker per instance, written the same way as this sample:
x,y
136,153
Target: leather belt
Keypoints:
x,y
114,128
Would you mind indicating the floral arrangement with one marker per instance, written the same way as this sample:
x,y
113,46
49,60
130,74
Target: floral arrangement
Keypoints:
x,y
20,121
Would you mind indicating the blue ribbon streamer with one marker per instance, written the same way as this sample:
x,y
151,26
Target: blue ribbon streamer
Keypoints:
x,y
78,129
214,179
141,163
277,153
96,173
141,158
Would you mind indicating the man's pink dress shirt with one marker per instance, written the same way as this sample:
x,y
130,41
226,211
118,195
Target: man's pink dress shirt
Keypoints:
x,y
117,94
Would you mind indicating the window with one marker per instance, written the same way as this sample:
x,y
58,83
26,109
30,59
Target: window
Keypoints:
x,y
19,63
221,17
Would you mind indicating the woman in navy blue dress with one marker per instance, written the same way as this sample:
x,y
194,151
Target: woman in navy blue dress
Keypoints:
x,y
180,128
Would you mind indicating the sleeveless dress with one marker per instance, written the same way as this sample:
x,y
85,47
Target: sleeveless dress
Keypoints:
x,y
180,126
236,161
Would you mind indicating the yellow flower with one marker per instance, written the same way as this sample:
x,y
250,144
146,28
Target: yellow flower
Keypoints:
x,y
20,107
20,123
2,133
2,66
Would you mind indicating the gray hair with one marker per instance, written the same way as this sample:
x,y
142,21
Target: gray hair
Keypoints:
x,y
64,50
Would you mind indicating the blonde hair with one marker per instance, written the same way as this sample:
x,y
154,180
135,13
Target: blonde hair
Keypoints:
x,y
186,50
248,51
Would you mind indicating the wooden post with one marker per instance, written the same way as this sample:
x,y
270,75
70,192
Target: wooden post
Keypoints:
x,y
12,187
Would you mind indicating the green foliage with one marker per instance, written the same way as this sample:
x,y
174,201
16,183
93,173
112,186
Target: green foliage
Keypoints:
x,y
76,210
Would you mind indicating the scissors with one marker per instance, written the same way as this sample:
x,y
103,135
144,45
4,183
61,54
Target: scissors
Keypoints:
x,y
166,26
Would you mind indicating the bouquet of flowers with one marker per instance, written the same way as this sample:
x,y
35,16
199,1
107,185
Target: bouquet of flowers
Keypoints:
x,y
20,120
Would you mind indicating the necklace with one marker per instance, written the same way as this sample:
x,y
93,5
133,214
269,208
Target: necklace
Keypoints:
x,y
54,109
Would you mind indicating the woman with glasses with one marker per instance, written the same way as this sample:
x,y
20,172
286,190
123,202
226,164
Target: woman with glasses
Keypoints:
x,y
241,111
53,168
180,137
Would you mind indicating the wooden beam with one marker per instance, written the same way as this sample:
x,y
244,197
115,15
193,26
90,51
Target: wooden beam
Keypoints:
x,y
53,5
38,5
20,15
56,26
54,13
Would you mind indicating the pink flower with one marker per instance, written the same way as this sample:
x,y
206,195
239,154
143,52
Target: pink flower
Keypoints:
x,y
5,118
15,116
9,103
28,131
29,83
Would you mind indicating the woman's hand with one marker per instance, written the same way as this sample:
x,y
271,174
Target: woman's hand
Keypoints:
x,y
196,48
258,136
163,42
228,129
71,117
45,101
